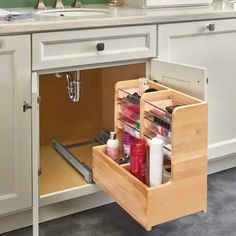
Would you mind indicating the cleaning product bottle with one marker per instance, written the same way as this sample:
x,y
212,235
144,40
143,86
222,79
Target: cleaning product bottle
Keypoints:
x,y
113,145
155,161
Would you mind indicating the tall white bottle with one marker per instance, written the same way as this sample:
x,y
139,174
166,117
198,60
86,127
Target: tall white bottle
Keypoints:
x,y
155,161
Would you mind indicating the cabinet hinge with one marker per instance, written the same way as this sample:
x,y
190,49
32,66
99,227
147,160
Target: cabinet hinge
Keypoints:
x,y
38,99
39,172
207,80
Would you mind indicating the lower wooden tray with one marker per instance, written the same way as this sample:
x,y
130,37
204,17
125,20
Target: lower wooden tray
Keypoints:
x,y
151,206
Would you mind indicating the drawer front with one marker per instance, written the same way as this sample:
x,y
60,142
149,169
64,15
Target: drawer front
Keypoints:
x,y
75,48
125,189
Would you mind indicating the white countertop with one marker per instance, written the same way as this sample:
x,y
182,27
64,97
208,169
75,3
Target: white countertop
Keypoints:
x,y
119,17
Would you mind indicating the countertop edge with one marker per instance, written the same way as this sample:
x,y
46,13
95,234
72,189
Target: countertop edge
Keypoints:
x,y
37,26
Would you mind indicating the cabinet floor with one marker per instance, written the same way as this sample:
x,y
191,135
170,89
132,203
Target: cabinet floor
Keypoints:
x,y
111,220
57,173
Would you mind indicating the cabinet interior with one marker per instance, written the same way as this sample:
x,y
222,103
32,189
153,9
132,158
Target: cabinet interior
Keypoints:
x,y
71,123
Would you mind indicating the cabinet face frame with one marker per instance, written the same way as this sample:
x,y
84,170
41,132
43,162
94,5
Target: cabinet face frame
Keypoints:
x,y
168,32
35,152
35,95
16,185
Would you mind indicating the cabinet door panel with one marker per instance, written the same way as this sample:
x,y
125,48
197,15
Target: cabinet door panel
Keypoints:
x,y
193,43
184,78
15,125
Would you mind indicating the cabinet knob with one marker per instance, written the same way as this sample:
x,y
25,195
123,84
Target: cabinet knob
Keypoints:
x,y
211,27
26,106
100,47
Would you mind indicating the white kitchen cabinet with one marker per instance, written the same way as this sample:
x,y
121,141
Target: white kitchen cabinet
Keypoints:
x,y
209,44
58,118
15,124
54,116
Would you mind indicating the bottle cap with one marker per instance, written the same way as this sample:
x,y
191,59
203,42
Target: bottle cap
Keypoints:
x,y
113,135
156,141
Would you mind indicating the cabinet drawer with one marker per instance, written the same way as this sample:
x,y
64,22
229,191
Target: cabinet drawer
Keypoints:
x,y
186,191
84,47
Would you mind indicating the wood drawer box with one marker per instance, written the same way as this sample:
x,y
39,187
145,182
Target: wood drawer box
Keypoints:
x,y
186,192
74,48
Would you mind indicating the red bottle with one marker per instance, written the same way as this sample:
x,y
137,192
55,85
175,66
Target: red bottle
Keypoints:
x,y
138,152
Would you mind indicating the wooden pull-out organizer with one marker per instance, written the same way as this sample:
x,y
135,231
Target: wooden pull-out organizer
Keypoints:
x,y
186,192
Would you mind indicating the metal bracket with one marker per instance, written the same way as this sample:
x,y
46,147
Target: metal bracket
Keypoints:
x,y
39,172
82,167
38,99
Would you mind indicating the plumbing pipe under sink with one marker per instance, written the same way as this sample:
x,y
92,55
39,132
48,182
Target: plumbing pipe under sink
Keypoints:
x,y
73,84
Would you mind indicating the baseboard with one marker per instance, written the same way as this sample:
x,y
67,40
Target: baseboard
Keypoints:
x,y
54,211
221,163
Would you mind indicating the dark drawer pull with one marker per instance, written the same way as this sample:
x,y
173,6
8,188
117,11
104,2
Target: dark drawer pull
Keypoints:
x,y
100,47
211,27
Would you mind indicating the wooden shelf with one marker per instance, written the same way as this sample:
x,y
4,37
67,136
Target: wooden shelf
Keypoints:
x,y
57,173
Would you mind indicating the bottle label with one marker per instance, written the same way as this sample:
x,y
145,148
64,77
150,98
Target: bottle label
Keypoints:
x,y
138,167
127,150
113,153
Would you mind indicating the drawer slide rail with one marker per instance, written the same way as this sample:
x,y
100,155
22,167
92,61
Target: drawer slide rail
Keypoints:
x,y
81,167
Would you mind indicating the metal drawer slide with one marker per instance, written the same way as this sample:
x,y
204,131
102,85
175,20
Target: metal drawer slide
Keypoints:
x,y
82,167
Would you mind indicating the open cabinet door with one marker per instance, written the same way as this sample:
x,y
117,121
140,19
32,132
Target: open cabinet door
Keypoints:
x,y
184,78
35,152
